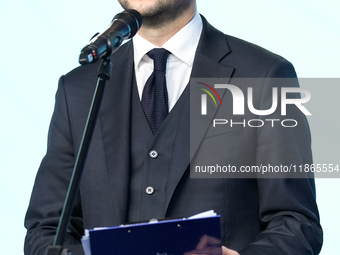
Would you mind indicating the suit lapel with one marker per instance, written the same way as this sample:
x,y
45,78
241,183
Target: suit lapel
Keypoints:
x,y
115,122
208,63
211,51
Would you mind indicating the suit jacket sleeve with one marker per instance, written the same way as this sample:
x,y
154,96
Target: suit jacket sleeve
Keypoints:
x,y
51,185
287,207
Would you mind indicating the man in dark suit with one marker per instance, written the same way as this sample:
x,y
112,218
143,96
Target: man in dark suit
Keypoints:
x,y
133,173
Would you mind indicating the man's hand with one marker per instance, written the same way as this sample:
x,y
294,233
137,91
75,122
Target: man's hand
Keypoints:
x,y
226,251
211,246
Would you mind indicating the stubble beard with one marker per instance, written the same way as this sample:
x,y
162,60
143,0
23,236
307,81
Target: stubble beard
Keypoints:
x,y
161,13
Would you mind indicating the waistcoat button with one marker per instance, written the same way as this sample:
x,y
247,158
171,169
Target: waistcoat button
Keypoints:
x,y
150,190
153,154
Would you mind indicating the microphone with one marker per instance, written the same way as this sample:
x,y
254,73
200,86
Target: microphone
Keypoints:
x,y
123,26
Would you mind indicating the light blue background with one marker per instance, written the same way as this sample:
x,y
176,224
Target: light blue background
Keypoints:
x,y
41,40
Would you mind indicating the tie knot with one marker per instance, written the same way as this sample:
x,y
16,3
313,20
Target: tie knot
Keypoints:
x,y
159,56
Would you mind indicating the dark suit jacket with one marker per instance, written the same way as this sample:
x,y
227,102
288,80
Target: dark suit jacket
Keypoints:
x,y
259,216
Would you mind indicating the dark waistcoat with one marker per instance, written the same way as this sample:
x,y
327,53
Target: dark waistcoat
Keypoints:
x,y
153,157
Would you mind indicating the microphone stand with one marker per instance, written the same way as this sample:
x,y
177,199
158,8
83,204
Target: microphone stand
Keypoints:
x,y
104,74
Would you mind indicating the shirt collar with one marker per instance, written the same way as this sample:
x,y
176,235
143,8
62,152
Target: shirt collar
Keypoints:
x,y
183,44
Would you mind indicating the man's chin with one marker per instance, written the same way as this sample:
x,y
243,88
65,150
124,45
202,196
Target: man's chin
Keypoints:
x,y
140,6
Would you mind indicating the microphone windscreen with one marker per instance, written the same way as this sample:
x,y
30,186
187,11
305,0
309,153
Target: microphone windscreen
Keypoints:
x,y
133,18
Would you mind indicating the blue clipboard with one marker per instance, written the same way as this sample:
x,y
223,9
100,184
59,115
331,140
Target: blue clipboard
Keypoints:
x,y
168,237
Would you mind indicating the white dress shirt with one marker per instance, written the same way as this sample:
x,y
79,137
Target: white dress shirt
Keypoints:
x,y
179,64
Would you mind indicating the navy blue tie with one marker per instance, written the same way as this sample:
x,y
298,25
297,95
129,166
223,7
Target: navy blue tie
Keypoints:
x,y
155,94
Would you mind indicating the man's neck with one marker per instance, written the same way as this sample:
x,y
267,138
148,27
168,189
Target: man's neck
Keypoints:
x,y
159,36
